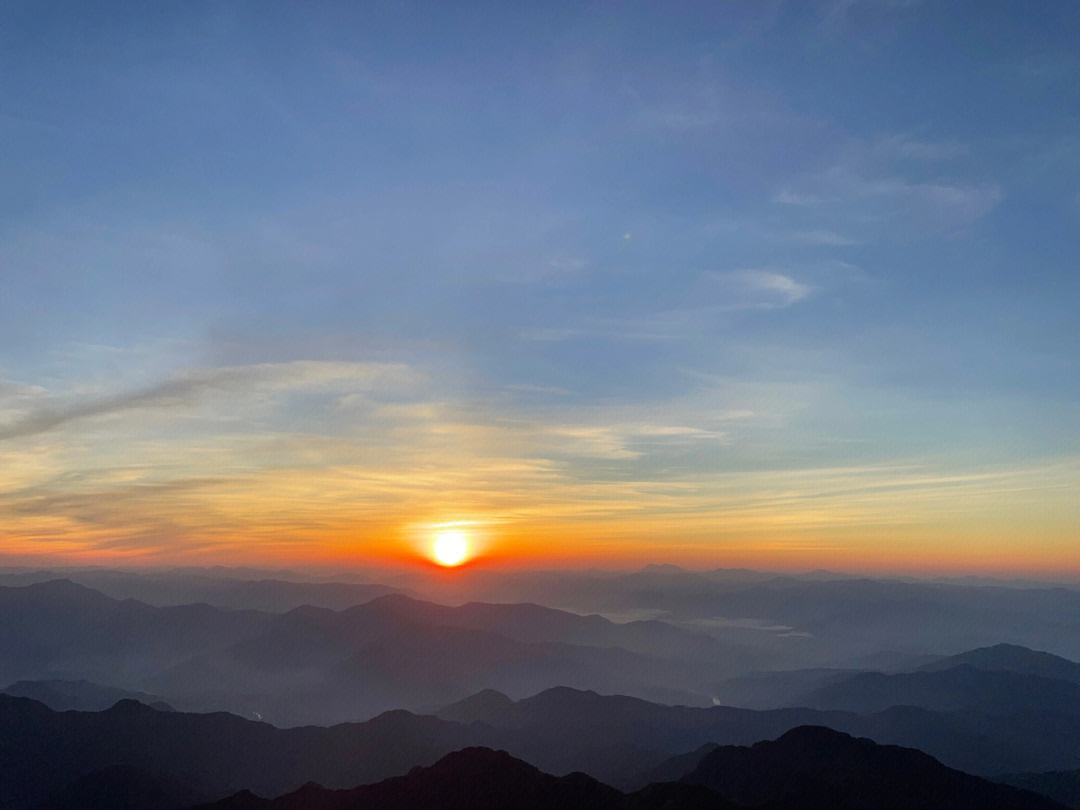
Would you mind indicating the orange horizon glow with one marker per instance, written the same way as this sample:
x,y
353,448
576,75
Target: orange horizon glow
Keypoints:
x,y
1019,520
578,547
867,521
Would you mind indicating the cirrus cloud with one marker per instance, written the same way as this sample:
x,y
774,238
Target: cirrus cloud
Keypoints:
x,y
186,388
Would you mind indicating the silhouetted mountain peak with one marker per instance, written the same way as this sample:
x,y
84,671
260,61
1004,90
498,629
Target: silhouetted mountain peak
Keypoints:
x,y
567,699
129,706
661,568
77,683
309,612
807,749
64,590
812,766
557,693
481,707
1011,648
80,695
961,686
59,585
394,601
479,758
816,737
474,778
1011,658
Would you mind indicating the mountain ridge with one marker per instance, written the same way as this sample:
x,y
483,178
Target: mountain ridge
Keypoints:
x,y
813,766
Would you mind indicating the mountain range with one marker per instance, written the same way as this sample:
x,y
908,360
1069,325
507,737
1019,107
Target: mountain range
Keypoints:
x,y
117,702
808,767
318,665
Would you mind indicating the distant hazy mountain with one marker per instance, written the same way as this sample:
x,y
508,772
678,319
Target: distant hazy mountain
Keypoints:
x,y
772,690
814,767
532,622
767,621
234,589
486,706
946,690
316,665
311,676
892,661
1012,658
319,665
82,696
807,622
60,630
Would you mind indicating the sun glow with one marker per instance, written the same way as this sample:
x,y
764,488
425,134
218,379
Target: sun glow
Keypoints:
x,y
450,547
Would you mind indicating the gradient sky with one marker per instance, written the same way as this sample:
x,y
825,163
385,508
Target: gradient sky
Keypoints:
x,y
783,284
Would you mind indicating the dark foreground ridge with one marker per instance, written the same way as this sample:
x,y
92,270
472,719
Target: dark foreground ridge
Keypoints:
x,y
623,742
43,752
815,767
120,787
478,779
808,767
1061,786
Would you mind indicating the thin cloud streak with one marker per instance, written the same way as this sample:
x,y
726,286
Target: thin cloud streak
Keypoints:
x,y
184,389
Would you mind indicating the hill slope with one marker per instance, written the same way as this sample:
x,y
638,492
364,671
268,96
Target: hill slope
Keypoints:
x,y
806,768
1012,658
959,687
812,767
1061,786
44,752
83,696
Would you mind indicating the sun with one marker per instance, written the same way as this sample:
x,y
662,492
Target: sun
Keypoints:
x,y
450,547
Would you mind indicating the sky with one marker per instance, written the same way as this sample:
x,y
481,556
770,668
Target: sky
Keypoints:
x,y
776,284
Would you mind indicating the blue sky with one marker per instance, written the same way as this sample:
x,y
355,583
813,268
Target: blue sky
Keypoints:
x,y
776,281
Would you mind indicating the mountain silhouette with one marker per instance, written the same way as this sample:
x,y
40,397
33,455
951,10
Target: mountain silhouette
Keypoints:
x,y
956,688
231,589
480,779
61,630
842,620
316,665
806,768
1061,786
620,740
81,696
596,732
472,778
772,690
1012,658
815,767
217,754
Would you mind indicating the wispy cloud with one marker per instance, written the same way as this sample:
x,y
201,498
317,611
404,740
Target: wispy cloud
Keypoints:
x,y
625,441
186,388
876,204
904,146
759,288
